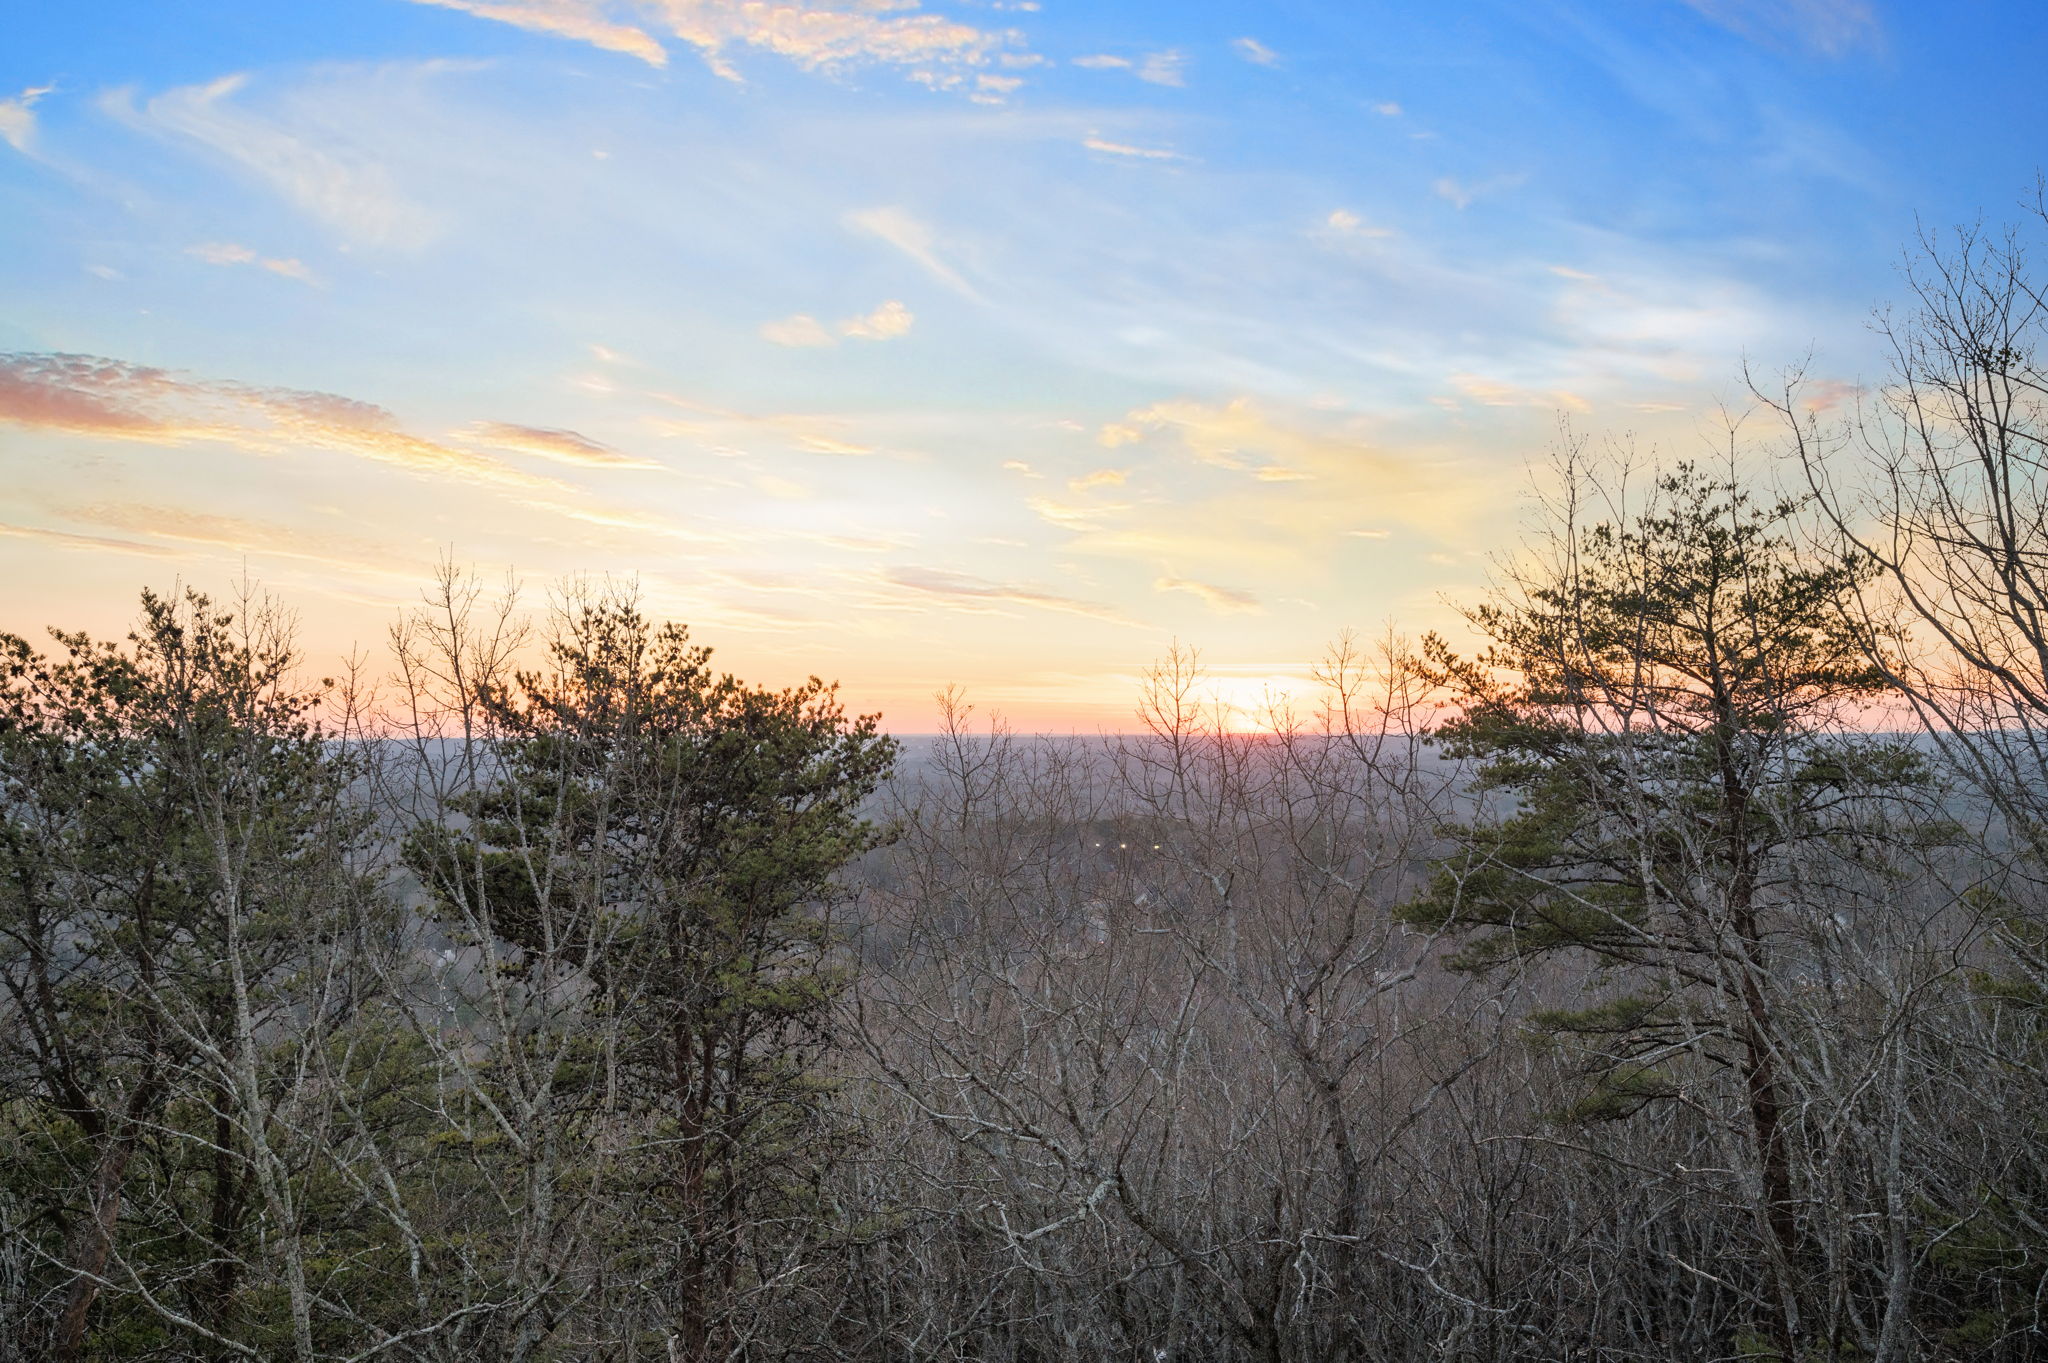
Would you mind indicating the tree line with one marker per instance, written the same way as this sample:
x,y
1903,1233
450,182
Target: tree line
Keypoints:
x,y
1668,979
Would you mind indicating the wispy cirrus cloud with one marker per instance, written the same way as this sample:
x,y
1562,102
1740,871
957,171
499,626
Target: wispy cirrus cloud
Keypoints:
x,y
1829,27
1255,52
1096,142
116,399
93,544
915,238
1222,600
1164,68
155,523
327,171
579,22
1343,225
234,253
1464,193
549,442
816,36
1488,392
965,589
725,431
1239,437
1156,68
18,118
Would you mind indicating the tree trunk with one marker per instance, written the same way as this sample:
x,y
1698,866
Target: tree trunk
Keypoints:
x,y
692,1319
1767,1130
91,1246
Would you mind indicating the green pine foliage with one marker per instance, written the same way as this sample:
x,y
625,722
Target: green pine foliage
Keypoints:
x,y
1659,712
1659,729
173,837
672,836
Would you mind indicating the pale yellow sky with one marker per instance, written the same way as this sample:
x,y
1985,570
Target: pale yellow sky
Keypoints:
x,y
944,343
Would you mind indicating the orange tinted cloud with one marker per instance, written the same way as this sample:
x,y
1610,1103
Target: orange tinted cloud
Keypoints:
x,y
99,544
962,588
80,393
814,36
582,22
1223,600
231,533
1099,478
548,442
97,396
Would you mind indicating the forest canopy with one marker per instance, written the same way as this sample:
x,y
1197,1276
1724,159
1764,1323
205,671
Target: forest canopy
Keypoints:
x,y
1665,978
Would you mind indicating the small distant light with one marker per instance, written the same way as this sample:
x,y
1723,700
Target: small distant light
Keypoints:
x,y
1122,846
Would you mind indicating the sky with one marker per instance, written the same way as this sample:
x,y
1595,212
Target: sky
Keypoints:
x,y
980,343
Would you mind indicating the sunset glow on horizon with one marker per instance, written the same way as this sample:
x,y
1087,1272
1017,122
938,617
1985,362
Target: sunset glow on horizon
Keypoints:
x,y
972,342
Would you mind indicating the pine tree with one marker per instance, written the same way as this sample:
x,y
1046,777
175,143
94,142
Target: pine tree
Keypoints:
x,y
174,843
668,837
1662,705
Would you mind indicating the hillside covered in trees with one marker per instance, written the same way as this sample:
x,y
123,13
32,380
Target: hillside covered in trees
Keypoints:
x,y
1668,979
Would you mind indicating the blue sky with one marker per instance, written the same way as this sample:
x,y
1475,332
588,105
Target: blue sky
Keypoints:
x,y
991,344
